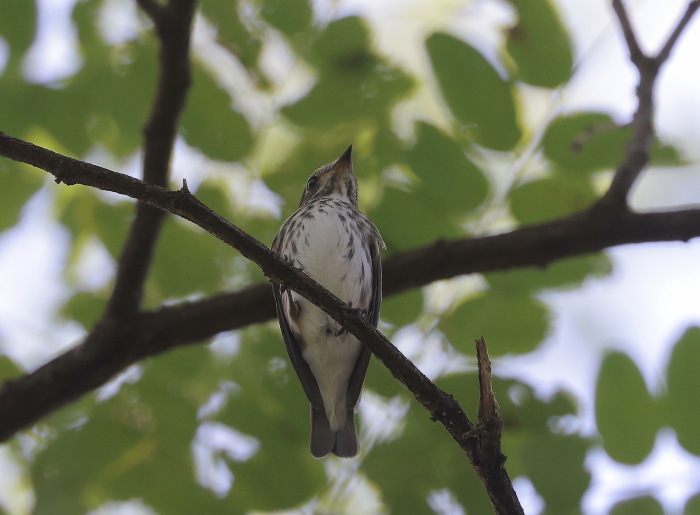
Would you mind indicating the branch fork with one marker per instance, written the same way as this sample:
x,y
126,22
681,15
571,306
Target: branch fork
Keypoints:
x,y
112,345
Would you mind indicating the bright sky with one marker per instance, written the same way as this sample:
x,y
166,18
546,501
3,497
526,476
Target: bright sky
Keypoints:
x,y
642,308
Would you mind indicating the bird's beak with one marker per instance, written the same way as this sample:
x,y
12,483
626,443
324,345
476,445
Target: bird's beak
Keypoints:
x,y
344,163
347,156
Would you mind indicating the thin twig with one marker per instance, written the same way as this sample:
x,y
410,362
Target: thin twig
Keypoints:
x,y
488,412
636,53
665,52
152,8
118,341
81,369
638,148
487,439
173,26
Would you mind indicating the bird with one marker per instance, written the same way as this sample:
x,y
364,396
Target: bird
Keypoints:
x,y
334,243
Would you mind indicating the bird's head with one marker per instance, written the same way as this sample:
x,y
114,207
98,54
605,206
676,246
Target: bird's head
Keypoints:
x,y
333,180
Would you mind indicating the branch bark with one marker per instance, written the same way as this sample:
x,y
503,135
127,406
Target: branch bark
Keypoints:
x,y
171,326
125,335
173,23
585,232
637,155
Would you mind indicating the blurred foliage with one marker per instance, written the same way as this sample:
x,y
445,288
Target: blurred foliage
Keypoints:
x,y
284,93
539,45
680,408
625,412
475,92
637,506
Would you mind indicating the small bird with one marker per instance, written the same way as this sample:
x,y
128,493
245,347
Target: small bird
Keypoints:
x,y
333,242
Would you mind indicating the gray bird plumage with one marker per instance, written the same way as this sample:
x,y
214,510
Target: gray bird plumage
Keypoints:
x,y
333,242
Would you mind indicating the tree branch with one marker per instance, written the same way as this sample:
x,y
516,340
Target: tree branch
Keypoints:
x,y
538,245
173,25
637,153
151,7
116,343
113,344
171,326
665,52
125,335
487,437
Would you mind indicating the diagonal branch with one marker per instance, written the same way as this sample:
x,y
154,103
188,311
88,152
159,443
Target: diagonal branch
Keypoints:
x,y
487,436
665,52
173,24
636,54
116,343
151,7
637,153
111,346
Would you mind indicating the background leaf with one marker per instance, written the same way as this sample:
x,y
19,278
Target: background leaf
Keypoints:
x,y
453,183
682,384
484,316
480,99
626,415
539,45
281,88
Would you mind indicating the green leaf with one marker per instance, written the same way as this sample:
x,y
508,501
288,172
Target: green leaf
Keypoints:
x,y
289,16
639,506
355,85
210,123
120,84
136,441
484,316
588,142
553,461
84,307
233,34
432,461
550,198
692,506
17,27
402,309
381,382
555,464
539,44
85,214
362,97
8,369
271,406
584,142
106,101
565,273
343,47
449,178
215,198
408,220
475,92
112,223
683,385
187,261
626,414
19,183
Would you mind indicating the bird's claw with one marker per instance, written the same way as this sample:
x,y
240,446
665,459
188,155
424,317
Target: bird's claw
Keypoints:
x,y
363,312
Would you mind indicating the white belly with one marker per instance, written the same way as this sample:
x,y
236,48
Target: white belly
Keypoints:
x,y
336,258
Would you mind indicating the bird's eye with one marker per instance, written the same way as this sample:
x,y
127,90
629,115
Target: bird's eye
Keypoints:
x,y
311,182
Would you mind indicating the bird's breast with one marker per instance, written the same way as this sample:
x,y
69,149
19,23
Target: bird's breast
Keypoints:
x,y
329,242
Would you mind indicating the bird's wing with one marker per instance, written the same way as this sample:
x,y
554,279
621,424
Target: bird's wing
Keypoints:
x,y
358,374
306,378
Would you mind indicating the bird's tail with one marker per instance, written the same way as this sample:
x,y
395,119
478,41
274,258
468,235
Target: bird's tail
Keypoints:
x,y
324,441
